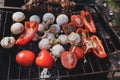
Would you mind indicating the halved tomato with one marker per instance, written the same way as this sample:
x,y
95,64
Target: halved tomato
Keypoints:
x,y
68,59
78,51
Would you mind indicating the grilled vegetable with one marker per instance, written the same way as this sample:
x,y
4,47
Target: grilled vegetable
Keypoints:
x,y
54,29
30,30
88,21
18,16
57,50
48,18
44,44
49,36
63,39
69,28
42,27
7,42
74,38
62,19
17,28
44,59
79,52
98,50
68,59
25,57
34,18
77,20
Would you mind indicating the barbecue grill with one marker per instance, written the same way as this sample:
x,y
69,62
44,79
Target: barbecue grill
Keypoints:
x,y
93,69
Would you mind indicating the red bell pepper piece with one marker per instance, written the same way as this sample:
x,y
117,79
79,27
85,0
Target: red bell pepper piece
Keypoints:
x,y
99,49
77,20
88,21
30,30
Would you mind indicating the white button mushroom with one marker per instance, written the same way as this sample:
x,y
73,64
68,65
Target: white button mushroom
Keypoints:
x,y
8,42
62,19
74,38
41,27
50,36
44,44
49,17
63,39
57,49
18,16
55,28
34,18
17,28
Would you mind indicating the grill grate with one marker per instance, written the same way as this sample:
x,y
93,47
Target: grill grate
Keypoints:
x,y
10,70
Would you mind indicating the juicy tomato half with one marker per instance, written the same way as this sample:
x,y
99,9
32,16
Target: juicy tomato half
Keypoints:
x,y
99,49
29,33
78,51
44,59
68,59
25,57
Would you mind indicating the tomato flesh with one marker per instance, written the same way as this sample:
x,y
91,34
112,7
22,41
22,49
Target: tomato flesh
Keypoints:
x,y
78,52
68,59
25,57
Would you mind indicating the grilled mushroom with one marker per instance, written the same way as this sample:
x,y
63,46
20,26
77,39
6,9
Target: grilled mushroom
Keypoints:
x,y
8,42
17,28
62,19
18,16
35,18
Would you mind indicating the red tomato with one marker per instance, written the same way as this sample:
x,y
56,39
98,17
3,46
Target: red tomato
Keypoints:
x,y
44,59
68,59
78,52
25,57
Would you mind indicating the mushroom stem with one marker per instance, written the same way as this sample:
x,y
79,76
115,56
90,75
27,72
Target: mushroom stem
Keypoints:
x,y
55,41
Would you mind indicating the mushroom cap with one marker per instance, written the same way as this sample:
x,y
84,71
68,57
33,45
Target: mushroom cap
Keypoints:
x,y
18,16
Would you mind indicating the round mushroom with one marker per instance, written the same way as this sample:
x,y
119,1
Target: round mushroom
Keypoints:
x,y
57,49
34,18
44,44
62,19
63,38
17,28
18,16
55,28
49,36
41,27
49,18
74,38
7,42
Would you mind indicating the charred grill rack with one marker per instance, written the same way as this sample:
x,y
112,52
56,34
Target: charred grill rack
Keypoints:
x,y
94,68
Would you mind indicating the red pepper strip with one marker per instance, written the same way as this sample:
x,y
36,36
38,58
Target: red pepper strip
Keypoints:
x,y
77,20
30,30
88,21
99,50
